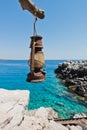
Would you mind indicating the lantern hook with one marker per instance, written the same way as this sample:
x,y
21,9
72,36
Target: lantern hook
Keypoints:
x,y
35,20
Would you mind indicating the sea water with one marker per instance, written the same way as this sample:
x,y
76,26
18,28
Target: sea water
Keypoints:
x,y
50,93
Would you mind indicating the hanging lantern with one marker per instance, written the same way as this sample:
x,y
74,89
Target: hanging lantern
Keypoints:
x,y
36,60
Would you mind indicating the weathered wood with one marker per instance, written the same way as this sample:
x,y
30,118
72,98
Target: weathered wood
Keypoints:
x,y
31,7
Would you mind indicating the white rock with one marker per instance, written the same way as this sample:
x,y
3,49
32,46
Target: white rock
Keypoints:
x,y
31,123
12,107
17,115
46,113
80,115
20,96
4,119
55,126
79,127
75,127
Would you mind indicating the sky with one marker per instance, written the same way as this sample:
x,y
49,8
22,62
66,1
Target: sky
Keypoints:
x,y
64,29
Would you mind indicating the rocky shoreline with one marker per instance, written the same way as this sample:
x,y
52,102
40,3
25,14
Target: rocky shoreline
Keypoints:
x,y
74,76
15,116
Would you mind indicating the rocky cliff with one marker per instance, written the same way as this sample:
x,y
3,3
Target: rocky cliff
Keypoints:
x,y
74,76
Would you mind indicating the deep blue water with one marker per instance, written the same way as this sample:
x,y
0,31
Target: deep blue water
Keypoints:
x,y
50,93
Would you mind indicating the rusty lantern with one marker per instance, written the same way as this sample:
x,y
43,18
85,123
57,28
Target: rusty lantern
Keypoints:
x,y
36,56
36,61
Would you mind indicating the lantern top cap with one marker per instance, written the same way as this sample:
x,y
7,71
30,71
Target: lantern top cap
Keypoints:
x,y
37,37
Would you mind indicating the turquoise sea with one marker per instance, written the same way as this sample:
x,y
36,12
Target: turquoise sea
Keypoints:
x,y
50,93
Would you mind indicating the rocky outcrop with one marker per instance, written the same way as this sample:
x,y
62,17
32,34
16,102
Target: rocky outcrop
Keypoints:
x,y
15,116
12,108
74,76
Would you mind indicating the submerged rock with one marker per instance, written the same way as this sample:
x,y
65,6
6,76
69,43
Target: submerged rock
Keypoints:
x,y
74,75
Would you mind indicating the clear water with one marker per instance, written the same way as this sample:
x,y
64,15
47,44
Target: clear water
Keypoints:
x,y
50,93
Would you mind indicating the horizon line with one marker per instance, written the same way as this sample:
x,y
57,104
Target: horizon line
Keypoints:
x,y
45,59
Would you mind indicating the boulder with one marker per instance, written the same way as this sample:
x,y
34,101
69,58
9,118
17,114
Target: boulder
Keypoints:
x,y
46,113
55,126
12,107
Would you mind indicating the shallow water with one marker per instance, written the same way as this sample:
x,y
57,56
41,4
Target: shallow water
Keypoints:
x,y
50,93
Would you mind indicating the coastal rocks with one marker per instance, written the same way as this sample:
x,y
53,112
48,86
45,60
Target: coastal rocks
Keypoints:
x,y
55,126
74,76
41,119
12,108
15,116
80,115
46,113
74,127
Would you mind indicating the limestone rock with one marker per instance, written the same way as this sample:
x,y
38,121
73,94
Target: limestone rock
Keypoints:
x,y
55,126
12,107
72,127
46,113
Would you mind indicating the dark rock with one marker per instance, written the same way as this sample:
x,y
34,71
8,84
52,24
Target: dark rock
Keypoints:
x,y
69,82
81,90
74,75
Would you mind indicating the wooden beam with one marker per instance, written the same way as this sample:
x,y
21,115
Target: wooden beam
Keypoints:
x,y
31,7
